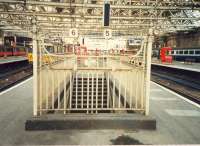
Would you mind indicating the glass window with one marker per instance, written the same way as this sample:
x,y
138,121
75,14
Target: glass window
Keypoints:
x,y
185,52
197,52
172,52
180,52
191,52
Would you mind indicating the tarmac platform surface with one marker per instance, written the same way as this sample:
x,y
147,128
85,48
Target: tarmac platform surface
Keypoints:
x,y
178,122
12,59
179,65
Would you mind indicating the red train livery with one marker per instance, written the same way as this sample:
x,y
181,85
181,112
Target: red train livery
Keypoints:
x,y
14,46
165,55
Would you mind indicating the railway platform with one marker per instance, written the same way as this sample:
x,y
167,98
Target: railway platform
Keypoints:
x,y
12,59
179,65
177,122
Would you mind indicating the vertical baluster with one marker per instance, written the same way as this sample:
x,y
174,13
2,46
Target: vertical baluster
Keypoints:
x,y
88,76
113,91
65,95
140,89
76,89
142,95
97,91
70,92
108,89
131,88
46,88
40,81
136,89
119,95
53,89
58,90
92,92
82,92
40,91
125,89
102,90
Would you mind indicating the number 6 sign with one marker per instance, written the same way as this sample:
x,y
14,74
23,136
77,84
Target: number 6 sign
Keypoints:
x,y
73,32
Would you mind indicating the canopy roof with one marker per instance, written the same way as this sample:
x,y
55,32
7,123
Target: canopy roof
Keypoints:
x,y
128,17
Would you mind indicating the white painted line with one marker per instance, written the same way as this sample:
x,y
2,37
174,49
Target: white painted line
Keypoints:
x,y
178,95
15,86
155,90
183,113
163,99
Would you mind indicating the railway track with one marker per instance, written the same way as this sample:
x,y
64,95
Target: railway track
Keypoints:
x,y
12,74
184,82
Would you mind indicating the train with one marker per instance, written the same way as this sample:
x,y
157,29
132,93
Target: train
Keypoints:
x,y
178,54
186,54
15,46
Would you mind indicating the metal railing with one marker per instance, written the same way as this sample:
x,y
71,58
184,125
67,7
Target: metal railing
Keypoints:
x,y
92,84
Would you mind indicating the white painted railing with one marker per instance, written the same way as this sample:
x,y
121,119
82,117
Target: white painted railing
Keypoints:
x,y
92,84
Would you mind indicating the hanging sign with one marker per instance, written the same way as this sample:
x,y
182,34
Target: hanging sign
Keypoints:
x,y
107,33
73,32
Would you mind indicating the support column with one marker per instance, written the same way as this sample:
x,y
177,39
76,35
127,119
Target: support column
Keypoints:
x,y
35,70
148,69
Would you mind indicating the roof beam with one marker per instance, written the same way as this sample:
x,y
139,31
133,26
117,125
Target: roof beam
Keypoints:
x,y
164,5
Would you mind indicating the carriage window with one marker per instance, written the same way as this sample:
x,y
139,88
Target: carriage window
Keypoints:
x,y
172,52
185,52
168,53
191,52
180,52
197,52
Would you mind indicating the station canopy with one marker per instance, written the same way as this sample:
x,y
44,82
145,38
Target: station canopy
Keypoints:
x,y
127,17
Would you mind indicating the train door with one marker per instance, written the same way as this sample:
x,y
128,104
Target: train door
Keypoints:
x,y
165,55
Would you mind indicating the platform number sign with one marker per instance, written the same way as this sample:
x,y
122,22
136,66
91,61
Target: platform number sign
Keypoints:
x,y
107,33
73,32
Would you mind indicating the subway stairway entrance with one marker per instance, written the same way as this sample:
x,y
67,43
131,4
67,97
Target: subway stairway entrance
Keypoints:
x,y
105,87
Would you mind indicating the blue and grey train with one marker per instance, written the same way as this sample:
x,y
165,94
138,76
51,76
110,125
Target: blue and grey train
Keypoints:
x,y
186,54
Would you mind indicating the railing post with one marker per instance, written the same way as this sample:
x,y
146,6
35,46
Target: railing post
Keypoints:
x,y
148,69
35,69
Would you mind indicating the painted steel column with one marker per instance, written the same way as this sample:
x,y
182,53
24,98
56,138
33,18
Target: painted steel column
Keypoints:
x,y
148,69
35,70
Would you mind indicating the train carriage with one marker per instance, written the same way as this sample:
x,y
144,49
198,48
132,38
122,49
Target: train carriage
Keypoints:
x,y
15,46
186,54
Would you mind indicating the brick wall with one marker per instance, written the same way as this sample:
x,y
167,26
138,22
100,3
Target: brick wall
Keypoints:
x,y
183,40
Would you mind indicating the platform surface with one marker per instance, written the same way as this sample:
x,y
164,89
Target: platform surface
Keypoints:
x,y
12,59
178,122
180,65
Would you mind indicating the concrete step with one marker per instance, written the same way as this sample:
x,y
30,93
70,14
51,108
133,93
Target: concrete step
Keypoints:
x,y
90,101
90,84
79,92
91,121
90,106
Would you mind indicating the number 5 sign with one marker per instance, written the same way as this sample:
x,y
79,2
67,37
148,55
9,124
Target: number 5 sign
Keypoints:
x,y
107,33
73,32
